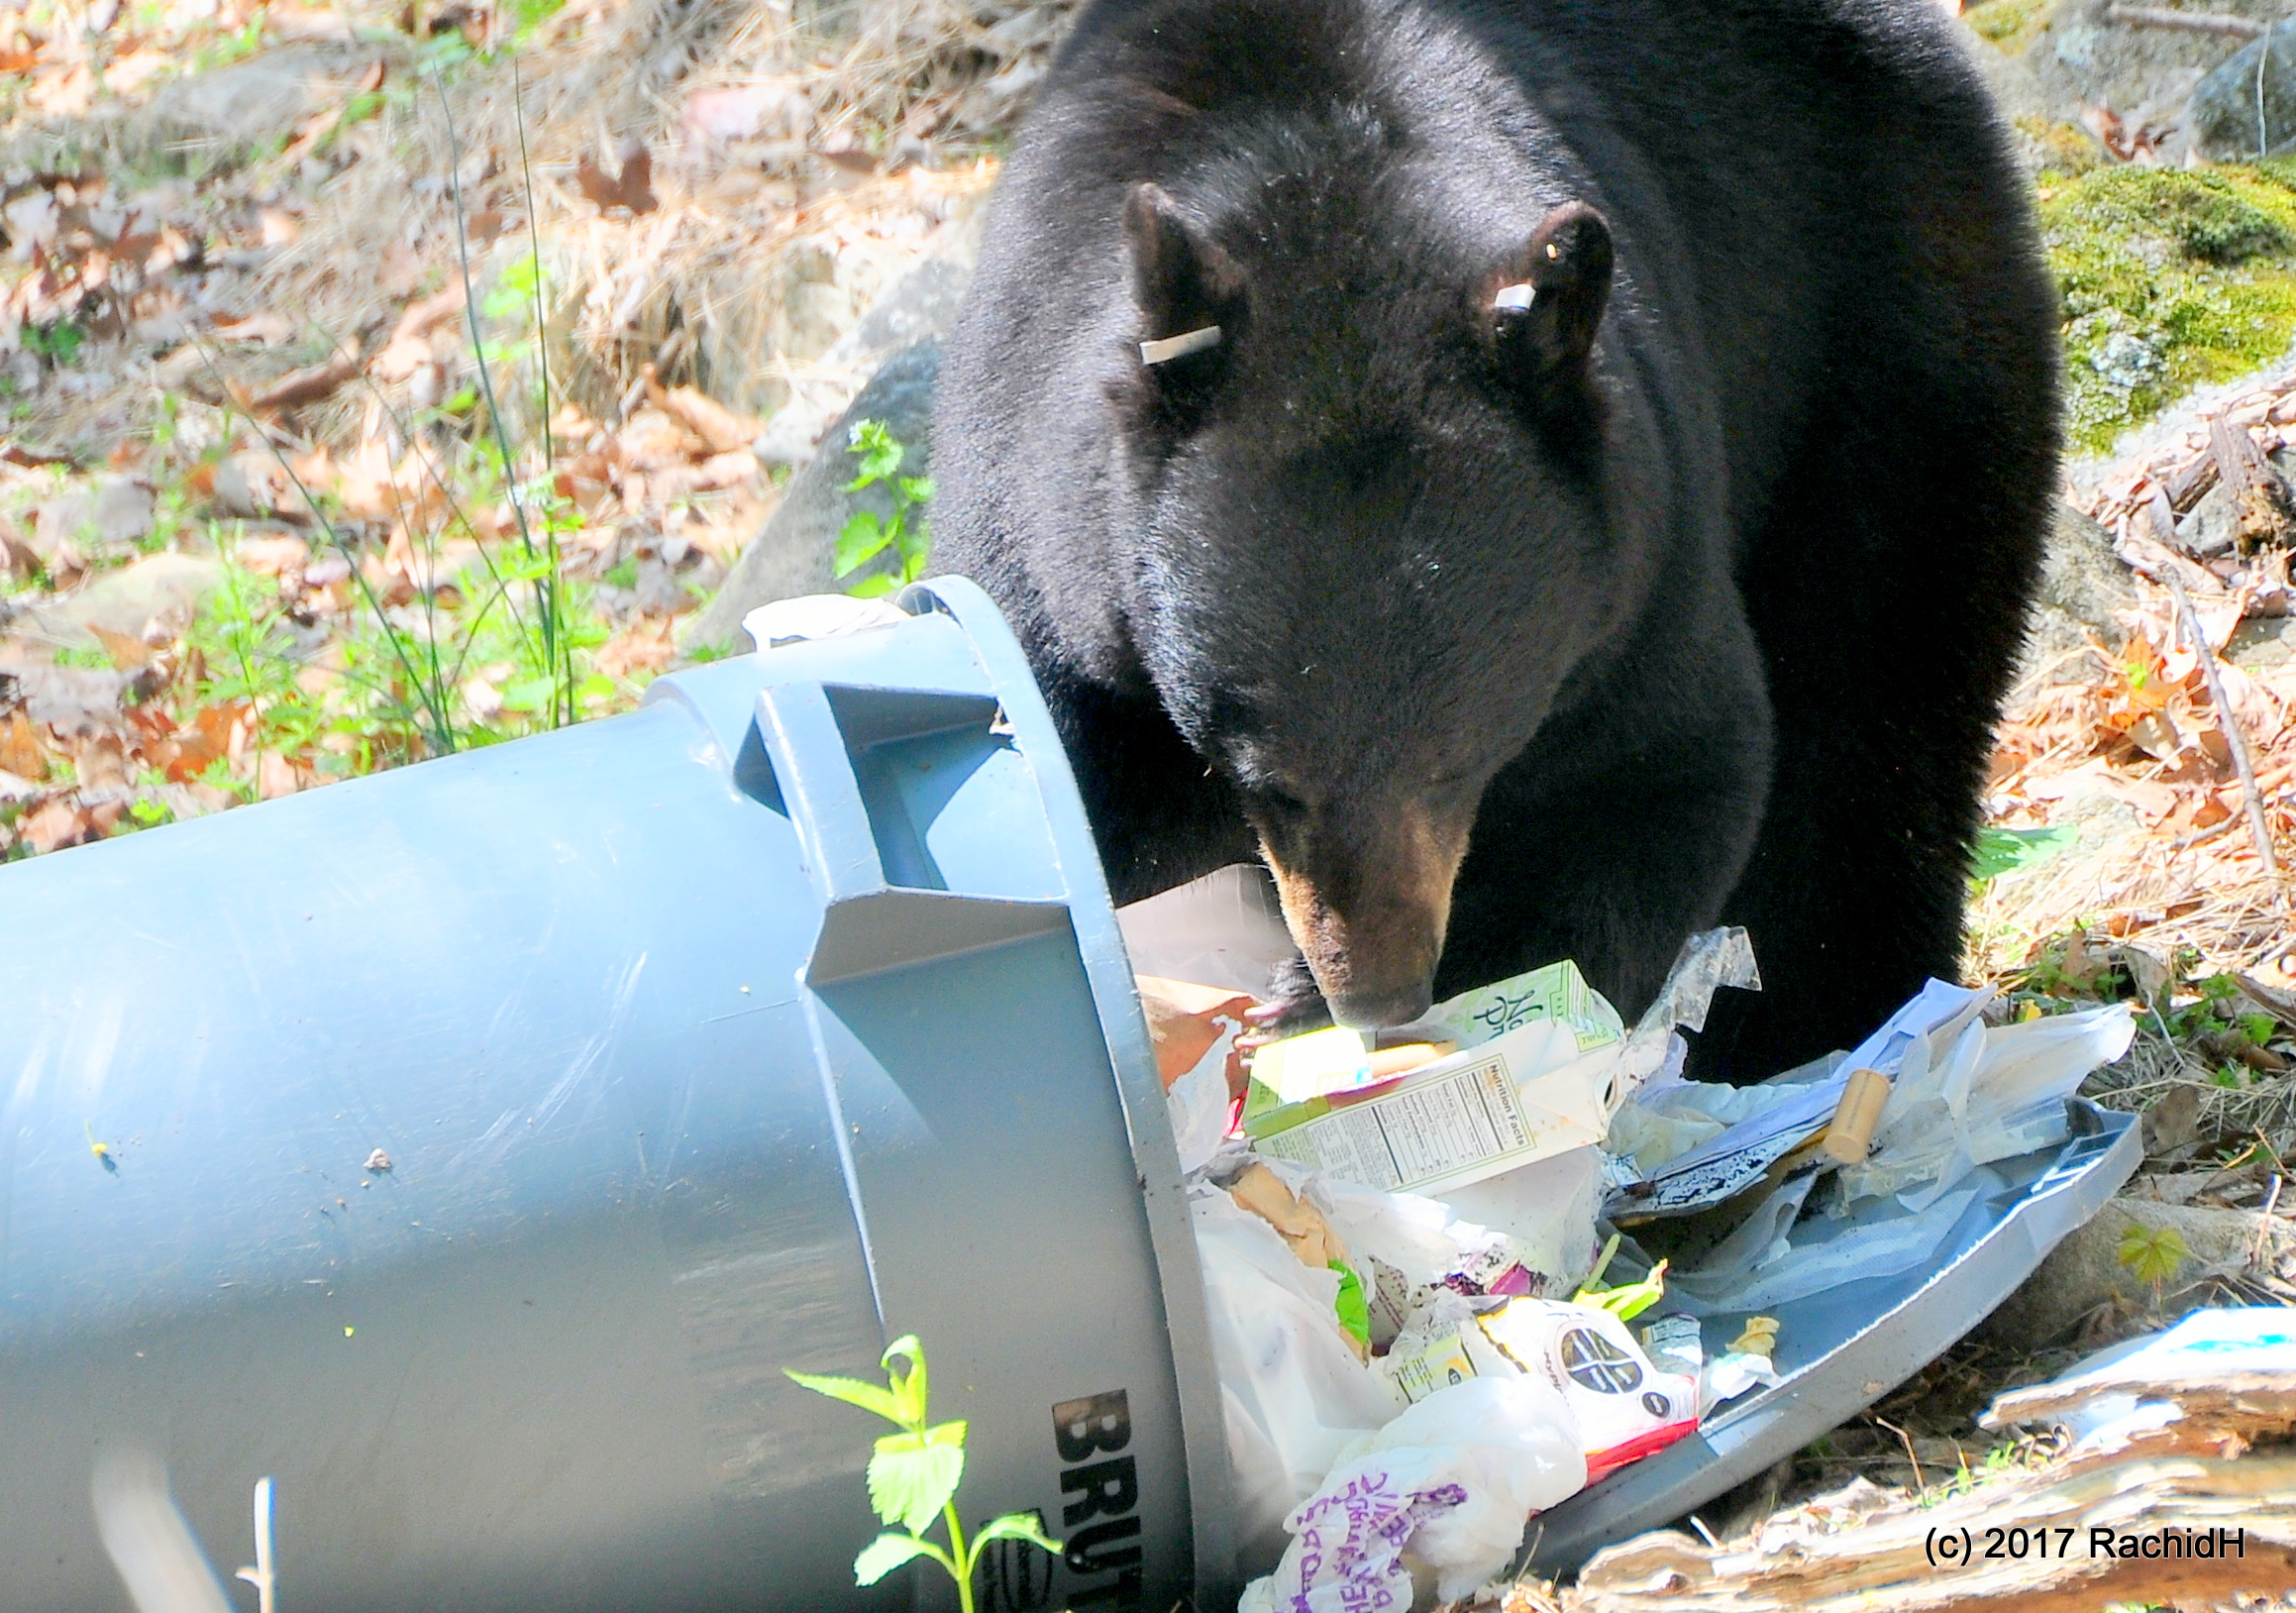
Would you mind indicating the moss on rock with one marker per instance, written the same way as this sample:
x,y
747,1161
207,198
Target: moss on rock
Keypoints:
x,y
2008,25
2170,279
2057,152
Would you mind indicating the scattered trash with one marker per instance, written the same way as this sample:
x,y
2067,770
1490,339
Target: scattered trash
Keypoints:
x,y
1390,1226
378,1160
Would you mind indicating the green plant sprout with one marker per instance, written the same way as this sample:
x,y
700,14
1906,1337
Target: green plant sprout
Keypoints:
x,y
913,1475
867,535
2152,1255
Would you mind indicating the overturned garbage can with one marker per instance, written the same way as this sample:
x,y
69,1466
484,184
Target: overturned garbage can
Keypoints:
x,y
469,1149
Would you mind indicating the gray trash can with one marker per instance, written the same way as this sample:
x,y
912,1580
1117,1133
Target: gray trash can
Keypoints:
x,y
749,1030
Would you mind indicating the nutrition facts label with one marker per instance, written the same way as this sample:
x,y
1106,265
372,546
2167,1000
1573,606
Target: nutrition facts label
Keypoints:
x,y
1417,1135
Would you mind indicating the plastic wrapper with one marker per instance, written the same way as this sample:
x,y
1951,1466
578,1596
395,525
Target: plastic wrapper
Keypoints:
x,y
1445,1487
1970,1092
1223,929
1707,962
1200,1105
1623,1406
1825,1252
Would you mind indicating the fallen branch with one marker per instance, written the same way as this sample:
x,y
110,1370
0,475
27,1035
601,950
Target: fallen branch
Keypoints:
x,y
2259,496
2189,22
1912,1559
2234,740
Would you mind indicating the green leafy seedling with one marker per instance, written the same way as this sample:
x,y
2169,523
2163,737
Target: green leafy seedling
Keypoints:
x,y
2152,1255
914,1477
867,534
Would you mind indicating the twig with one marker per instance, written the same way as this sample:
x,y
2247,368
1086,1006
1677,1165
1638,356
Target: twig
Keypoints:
x,y
2189,22
2203,837
2234,740
1907,1440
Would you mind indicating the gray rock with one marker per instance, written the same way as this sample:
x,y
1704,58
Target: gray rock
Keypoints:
x,y
2262,642
169,588
2127,363
792,556
2079,59
2085,1272
923,302
250,103
111,513
2082,583
2212,526
2221,119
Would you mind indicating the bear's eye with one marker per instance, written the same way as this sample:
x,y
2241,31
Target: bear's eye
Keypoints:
x,y
1280,803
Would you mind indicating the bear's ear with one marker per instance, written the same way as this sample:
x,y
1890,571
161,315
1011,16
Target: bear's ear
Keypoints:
x,y
1545,305
1189,290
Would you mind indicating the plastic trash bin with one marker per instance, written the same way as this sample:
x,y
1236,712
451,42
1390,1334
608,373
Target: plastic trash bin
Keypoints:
x,y
747,1030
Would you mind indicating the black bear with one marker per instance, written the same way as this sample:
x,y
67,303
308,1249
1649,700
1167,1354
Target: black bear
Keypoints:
x,y
1546,477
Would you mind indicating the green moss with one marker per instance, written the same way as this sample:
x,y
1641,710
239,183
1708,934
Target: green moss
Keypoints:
x,y
2066,153
2169,279
2008,25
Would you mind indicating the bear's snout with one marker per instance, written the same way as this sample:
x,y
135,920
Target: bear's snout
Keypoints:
x,y
1368,901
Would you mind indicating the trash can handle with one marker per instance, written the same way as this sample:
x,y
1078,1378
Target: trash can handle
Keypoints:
x,y
820,790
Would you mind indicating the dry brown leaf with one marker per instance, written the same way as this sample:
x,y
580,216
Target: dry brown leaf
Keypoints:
x,y
126,650
277,776
19,751
273,552
101,762
59,823
308,23
409,347
16,560
632,187
264,329
309,384
717,426
645,645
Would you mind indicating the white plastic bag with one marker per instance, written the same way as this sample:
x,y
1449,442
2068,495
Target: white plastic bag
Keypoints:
x,y
1450,1481
818,615
1294,1391
1199,1105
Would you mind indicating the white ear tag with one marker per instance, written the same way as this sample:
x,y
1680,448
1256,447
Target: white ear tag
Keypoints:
x,y
1514,299
1181,346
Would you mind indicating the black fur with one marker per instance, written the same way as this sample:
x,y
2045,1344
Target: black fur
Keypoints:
x,y
1693,587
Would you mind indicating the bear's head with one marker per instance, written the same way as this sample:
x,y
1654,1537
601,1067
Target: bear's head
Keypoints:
x,y
1360,479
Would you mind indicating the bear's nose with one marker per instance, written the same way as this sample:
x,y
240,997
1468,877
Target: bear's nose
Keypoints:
x,y
1377,1009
